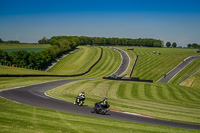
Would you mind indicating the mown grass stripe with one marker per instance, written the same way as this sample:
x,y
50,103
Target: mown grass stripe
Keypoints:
x,y
134,91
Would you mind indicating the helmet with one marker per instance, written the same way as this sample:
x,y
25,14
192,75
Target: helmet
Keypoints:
x,y
83,92
105,98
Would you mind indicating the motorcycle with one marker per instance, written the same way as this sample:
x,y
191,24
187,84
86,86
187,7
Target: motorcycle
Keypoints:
x,y
100,109
79,100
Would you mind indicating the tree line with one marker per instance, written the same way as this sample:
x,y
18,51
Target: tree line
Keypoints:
x,y
193,45
63,44
10,41
83,40
40,60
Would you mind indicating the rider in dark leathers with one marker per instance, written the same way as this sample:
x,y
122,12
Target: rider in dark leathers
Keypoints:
x,y
102,104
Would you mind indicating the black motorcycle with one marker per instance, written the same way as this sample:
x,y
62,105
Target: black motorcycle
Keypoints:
x,y
100,109
79,100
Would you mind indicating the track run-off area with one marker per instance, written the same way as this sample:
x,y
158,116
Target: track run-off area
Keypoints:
x,y
35,95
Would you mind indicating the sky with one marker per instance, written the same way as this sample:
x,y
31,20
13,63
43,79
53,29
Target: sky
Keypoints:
x,y
168,20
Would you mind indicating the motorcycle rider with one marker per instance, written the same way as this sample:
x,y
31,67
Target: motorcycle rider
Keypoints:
x,y
104,103
79,98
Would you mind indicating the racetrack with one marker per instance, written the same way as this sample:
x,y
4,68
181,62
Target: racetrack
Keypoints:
x,y
124,64
35,95
177,69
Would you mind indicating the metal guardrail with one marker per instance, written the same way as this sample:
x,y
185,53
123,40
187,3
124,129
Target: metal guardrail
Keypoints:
x,y
188,76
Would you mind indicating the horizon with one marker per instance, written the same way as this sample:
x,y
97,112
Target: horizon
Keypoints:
x,y
173,21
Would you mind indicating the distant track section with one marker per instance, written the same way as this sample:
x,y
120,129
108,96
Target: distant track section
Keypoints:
x,y
166,78
124,65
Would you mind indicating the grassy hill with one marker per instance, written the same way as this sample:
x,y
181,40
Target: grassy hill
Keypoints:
x,y
109,63
154,66
20,118
19,71
162,101
77,62
23,46
187,71
132,57
193,81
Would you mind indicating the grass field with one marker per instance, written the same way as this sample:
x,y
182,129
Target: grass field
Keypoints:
x,y
193,81
20,118
84,58
77,62
164,101
36,50
186,71
109,63
25,47
161,100
19,71
153,66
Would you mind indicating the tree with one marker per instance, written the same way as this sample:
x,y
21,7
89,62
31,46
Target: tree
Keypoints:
x,y
44,40
194,45
174,44
168,44
1,41
189,45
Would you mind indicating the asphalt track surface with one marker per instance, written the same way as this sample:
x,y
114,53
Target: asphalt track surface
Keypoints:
x,y
124,64
35,95
177,69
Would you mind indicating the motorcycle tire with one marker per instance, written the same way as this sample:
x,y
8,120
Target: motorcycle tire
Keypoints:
x,y
93,110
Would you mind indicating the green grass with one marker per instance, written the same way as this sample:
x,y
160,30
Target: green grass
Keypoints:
x,y
193,81
164,101
23,46
187,71
9,82
132,57
20,118
109,63
19,71
153,66
84,58
36,50
77,62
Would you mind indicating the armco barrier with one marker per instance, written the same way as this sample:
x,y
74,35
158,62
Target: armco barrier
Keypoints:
x,y
37,75
128,79
133,65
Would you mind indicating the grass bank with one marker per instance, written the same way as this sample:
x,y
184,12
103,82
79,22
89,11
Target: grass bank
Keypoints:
x,y
164,101
193,81
109,63
154,66
77,62
132,57
19,118
23,46
19,71
187,71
